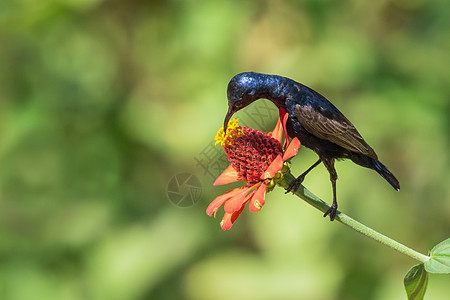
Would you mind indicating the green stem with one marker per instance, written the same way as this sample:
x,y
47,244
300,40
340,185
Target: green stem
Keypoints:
x,y
315,201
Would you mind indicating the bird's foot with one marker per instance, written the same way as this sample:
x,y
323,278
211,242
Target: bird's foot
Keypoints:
x,y
293,187
332,212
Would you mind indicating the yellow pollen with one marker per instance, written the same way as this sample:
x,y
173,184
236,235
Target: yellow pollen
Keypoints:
x,y
233,131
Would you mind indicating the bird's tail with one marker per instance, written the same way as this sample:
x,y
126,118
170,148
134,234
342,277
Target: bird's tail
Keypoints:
x,y
376,165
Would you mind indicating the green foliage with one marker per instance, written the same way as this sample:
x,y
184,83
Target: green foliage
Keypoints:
x,y
103,102
440,258
416,282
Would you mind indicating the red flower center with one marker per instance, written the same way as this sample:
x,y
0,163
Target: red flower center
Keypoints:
x,y
252,153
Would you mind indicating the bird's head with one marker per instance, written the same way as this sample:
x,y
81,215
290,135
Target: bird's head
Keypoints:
x,y
242,91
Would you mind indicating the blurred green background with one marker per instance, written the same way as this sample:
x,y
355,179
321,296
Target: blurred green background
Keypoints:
x,y
103,102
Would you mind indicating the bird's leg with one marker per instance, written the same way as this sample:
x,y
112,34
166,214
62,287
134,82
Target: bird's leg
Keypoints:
x,y
296,183
333,209
329,164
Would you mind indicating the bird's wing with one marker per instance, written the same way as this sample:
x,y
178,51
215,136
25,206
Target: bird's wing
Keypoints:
x,y
338,130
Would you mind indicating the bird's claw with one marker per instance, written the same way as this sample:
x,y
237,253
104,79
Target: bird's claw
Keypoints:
x,y
293,187
332,211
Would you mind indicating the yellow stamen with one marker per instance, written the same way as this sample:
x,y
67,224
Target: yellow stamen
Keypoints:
x,y
233,131
257,204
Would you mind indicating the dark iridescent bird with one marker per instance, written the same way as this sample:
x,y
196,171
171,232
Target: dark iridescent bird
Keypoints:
x,y
314,120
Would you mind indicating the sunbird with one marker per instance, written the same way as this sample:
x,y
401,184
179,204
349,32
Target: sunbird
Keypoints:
x,y
314,120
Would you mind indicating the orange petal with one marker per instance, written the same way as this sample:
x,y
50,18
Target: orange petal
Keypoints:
x,y
292,149
278,131
229,218
258,199
229,175
284,117
226,222
236,201
220,200
274,167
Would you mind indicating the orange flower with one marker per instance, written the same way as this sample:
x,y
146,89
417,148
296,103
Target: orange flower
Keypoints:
x,y
256,158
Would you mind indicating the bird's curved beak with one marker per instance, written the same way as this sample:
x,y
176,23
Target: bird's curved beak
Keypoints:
x,y
227,118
